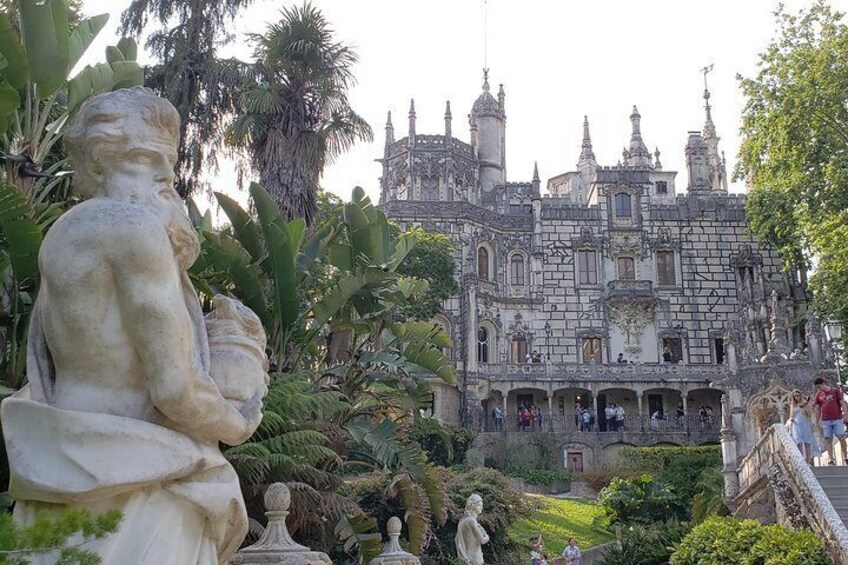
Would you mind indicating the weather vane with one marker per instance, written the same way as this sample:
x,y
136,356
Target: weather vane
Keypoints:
x,y
706,70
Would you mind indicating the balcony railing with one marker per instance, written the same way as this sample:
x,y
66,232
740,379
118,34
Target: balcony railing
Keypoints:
x,y
630,287
598,371
639,424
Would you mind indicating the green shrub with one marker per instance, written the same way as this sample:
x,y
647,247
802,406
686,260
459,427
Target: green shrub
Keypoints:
x,y
539,477
719,541
645,545
600,477
445,445
678,467
641,500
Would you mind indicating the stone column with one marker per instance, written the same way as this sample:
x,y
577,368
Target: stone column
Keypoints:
x,y
506,419
639,395
550,412
472,332
276,545
595,409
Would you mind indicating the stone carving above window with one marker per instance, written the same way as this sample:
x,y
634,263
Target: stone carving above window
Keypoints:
x,y
629,243
632,316
745,257
587,239
664,240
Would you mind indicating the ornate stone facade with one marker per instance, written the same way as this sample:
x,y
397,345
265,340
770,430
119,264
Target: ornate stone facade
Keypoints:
x,y
612,262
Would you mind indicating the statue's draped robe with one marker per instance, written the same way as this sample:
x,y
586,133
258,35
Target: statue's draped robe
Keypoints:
x,y
180,498
469,541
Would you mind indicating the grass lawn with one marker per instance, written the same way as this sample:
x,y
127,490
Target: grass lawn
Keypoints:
x,y
559,519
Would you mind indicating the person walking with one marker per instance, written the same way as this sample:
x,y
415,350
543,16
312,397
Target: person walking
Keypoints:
x,y
801,427
571,553
831,413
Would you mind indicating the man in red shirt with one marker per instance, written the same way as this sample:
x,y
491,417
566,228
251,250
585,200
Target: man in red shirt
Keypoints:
x,y
832,415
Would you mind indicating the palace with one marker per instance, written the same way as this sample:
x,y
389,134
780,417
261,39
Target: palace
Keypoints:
x,y
610,286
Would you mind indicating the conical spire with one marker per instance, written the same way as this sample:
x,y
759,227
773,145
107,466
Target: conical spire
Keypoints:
x,y
537,182
390,129
536,170
411,120
638,154
448,119
587,155
709,126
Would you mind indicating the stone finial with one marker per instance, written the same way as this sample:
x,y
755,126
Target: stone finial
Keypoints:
x,y
657,163
393,553
412,121
535,171
448,119
276,545
638,154
486,80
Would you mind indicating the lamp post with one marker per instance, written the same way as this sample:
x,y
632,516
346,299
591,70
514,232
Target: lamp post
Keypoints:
x,y
548,341
833,332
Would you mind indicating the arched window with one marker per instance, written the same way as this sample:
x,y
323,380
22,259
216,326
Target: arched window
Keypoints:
x,y
623,207
483,263
482,345
516,268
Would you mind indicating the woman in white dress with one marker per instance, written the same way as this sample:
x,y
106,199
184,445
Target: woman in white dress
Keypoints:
x,y
801,426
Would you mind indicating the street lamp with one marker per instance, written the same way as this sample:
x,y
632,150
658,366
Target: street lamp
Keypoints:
x,y
833,332
548,340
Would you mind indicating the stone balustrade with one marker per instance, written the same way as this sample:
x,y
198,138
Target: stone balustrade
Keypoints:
x,y
776,463
600,371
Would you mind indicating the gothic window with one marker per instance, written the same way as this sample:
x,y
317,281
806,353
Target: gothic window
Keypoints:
x,y
483,263
672,350
592,350
516,267
626,268
482,345
662,187
587,266
623,207
665,268
519,349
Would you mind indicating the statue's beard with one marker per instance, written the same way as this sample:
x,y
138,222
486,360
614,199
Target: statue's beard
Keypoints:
x,y
180,232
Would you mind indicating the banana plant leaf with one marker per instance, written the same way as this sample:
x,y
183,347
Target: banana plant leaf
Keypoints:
x,y
46,37
82,37
16,71
245,229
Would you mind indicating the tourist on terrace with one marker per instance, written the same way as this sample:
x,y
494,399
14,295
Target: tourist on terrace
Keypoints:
x,y
498,415
621,358
571,553
537,357
666,355
831,413
609,413
619,418
801,427
578,413
586,419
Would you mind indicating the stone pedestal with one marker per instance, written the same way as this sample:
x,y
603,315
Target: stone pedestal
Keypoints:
x,y
276,545
393,554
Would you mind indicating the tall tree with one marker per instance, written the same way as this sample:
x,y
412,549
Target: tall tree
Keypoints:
x,y
295,116
795,149
189,73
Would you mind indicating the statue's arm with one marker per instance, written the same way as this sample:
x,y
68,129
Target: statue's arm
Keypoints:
x,y
482,536
151,302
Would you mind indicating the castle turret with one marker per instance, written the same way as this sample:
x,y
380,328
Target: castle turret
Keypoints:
x,y
412,122
697,163
637,155
718,169
488,116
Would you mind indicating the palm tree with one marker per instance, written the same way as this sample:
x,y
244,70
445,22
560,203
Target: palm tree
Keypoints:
x,y
190,75
295,116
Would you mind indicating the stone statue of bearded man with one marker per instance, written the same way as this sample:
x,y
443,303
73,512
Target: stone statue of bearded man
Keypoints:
x,y
123,408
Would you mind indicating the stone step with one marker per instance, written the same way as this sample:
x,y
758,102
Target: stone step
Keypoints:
x,y
831,471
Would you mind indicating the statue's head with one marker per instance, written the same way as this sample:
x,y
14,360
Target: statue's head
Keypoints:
x,y
126,136
124,146
474,504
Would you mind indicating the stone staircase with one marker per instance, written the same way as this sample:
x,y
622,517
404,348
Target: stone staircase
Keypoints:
x,y
834,482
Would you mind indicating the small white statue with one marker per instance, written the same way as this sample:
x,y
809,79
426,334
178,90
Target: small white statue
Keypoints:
x,y
470,535
125,406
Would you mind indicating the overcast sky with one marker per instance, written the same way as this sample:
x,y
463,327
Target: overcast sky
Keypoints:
x,y
557,60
